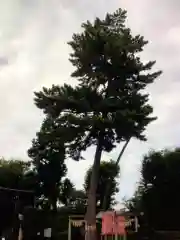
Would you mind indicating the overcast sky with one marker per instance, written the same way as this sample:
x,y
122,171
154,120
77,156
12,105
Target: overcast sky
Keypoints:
x,y
34,53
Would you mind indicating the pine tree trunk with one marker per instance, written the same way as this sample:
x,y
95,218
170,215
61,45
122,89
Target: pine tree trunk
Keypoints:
x,y
91,233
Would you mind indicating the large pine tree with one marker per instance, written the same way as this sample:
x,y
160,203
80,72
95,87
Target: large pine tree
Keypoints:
x,y
109,105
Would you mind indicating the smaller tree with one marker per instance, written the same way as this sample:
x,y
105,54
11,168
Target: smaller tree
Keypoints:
x,y
157,195
79,198
66,191
48,156
108,175
15,175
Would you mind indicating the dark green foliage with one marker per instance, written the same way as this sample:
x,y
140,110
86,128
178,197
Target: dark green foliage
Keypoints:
x,y
79,199
109,98
72,197
66,191
17,175
48,156
108,174
157,195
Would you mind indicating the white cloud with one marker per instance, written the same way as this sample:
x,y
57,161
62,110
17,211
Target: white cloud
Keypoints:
x,y
33,36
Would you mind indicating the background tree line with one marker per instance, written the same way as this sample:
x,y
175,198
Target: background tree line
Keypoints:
x,y
20,175
157,195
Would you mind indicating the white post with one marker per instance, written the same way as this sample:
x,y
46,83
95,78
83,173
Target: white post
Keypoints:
x,y
136,224
69,229
20,235
47,233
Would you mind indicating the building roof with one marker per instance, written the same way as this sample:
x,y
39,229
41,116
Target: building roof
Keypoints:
x,y
122,212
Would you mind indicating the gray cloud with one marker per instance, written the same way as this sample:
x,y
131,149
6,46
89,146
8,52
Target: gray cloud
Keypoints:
x,y
33,36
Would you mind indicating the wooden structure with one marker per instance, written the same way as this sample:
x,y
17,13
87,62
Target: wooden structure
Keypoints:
x,y
131,224
77,221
